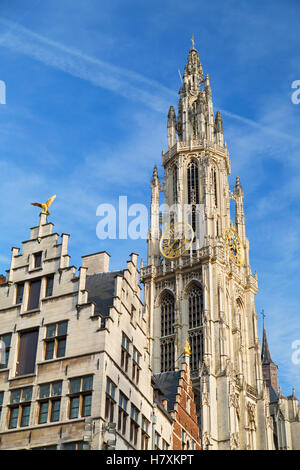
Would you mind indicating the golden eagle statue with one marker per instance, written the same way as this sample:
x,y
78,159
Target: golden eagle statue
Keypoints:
x,y
45,206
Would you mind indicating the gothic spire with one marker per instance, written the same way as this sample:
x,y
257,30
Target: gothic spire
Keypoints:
x,y
265,352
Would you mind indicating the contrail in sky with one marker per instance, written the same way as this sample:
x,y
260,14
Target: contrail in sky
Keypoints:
x,y
119,80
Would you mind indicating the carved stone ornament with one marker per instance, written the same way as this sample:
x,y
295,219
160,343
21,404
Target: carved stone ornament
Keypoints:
x,y
234,440
206,439
251,415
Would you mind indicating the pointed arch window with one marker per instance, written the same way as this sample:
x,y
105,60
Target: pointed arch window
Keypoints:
x,y
167,314
195,306
193,183
175,184
214,185
167,357
195,300
194,218
196,342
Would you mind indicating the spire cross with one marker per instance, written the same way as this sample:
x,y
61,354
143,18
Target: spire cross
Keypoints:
x,y
263,314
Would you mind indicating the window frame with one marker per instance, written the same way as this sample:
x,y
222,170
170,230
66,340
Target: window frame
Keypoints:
x,y
81,395
55,340
51,399
19,406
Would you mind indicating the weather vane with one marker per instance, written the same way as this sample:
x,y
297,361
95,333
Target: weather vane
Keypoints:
x,y
45,206
193,42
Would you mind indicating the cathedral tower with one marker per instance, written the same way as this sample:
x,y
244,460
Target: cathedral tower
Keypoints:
x,y
207,293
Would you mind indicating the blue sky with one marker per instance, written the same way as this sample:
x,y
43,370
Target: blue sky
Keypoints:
x,y
89,84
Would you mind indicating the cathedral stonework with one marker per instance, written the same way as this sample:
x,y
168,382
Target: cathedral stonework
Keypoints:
x,y
207,294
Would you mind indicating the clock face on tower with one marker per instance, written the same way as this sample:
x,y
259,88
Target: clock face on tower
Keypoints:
x,y
176,240
234,245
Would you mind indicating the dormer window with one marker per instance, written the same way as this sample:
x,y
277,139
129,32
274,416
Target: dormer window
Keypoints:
x,y
38,259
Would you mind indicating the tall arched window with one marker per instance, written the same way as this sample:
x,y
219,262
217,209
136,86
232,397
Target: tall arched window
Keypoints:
x,y
195,303
167,314
167,332
193,183
194,219
214,184
175,183
195,307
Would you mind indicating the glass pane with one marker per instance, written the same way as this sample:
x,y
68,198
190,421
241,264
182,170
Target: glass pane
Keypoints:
x,y
55,410
15,396
25,415
49,350
62,328
13,420
7,340
79,445
70,446
1,398
75,385
20,292
87,383
6,358
37,260
27,352
51,331
87,405
34,295
44,390
56,388
74,408
27,394
43,418
113,389
61,348
49,286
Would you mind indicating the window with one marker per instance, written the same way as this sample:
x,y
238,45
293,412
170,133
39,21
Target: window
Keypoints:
x,y
81,396
125,352
134,426
49,285
196,342
19,407
38,259
195,304
73,445
122,418
214,184
34,295
51,447
1,402
136,357
195,307
27,352
157,441
49,402
175,184
6,340
145,433
167,315
193,183
183,439
110,400
55,341
20,293
167,354
165,445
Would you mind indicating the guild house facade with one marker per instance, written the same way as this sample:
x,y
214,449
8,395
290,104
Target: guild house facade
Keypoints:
x,y
88,365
